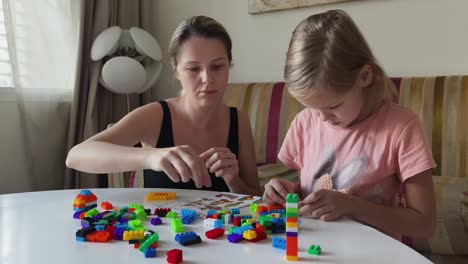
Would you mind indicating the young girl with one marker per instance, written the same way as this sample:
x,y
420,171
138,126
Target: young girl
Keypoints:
x,y
185,137
359,154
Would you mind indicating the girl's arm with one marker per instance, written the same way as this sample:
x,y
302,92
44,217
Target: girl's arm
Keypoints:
x,y
416,220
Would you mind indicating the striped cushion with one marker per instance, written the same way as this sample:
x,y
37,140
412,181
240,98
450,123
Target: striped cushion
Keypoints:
x,y
442,104
270,109
270,171
450,236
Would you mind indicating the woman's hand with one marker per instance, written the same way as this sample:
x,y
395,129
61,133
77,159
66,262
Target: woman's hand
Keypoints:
x,y
326,205
222,162
276,191
179,163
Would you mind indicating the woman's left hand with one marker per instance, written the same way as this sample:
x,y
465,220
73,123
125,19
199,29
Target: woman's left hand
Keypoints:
x,y
327,205
222,162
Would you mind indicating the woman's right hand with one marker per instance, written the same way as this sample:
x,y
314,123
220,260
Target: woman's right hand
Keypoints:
x,y
276,191
179,163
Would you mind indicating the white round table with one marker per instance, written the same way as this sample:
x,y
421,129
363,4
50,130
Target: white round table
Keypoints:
x,y
38,227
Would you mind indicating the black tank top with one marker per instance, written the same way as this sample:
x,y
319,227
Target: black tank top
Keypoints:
x,y
159,179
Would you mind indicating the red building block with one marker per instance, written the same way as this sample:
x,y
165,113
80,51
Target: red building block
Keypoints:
x,y
214,233
174,256
106,206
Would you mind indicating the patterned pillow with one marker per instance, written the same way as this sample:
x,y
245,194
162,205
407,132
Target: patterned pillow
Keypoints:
x,y
451,233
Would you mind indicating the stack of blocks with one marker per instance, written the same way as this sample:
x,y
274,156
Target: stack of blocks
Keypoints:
x,y
84,201
292,215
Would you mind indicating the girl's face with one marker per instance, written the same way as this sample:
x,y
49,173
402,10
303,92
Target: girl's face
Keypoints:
x,y
343,109
339,110
203,69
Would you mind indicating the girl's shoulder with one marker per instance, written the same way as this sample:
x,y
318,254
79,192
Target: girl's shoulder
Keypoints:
x,y
307,116
397,113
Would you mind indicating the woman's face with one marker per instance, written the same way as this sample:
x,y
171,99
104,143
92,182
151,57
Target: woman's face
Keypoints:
x,y
203,69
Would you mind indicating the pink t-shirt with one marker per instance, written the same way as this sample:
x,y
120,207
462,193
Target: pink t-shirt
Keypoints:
x,y
370,159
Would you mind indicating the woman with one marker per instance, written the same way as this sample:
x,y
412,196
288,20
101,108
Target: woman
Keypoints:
x,y
191,141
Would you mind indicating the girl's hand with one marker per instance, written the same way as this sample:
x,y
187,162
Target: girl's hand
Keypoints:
x,y
327,205
222,162
179,163
277,189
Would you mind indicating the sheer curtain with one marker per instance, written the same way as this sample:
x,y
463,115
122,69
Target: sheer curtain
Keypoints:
x,y
42,38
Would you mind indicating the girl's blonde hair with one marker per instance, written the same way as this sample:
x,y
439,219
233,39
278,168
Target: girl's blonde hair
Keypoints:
x,y
326,53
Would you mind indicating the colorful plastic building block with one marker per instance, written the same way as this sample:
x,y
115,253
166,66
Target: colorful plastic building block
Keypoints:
x,y
98,236
171,214
314,250
160,196
188,238
234,238
188,216
149,241
174,256
259,235
156,221
214,233
150,252
177,226
278,242
107,206
209,223
161,212
131,235
292,214
84,201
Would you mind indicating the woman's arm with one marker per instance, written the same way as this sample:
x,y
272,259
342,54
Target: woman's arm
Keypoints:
x,y
112,149
248,175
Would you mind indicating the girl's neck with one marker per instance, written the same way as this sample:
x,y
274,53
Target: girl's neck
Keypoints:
x,y
372,105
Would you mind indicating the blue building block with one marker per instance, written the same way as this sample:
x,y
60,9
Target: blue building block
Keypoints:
x,y
81,239
150,252
234,211
279,242
211,212
241,229
188,216
188,238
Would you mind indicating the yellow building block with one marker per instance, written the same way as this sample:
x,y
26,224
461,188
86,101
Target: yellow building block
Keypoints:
x,y
132,235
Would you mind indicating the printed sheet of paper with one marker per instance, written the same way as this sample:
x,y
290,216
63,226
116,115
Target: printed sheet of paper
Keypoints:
x,y
215,201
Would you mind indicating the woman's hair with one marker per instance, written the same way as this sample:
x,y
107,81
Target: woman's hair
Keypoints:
x,y
326,53
200,26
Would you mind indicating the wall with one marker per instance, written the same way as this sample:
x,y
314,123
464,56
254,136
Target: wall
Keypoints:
x,y
410,38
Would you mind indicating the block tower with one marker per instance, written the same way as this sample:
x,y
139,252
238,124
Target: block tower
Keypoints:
x,y
292,217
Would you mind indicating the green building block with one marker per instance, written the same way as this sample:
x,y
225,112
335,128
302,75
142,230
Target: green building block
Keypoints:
x,y
92,212
150,240
253,208
292,198
171,214
314,250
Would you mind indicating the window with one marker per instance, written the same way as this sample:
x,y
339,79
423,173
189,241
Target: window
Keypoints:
x,y
6,69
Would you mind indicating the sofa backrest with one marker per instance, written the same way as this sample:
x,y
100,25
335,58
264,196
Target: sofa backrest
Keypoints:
x,y
441,102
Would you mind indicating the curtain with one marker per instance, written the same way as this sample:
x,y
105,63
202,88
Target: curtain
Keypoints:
x,y
41,45
94,107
